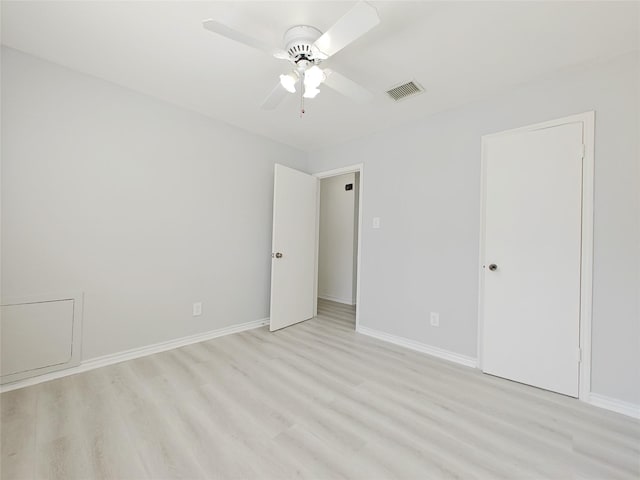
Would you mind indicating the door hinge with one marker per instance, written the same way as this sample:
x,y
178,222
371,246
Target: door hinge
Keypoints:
x,y
583,149
579,354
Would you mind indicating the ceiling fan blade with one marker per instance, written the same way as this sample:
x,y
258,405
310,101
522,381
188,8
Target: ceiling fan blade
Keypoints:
x,y
346,87
274,98
355,23
240,37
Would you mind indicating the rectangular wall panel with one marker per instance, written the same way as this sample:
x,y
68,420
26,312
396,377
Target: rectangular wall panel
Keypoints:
x,y
36,336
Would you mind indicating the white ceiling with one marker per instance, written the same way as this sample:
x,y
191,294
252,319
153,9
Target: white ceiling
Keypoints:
x,y
457,50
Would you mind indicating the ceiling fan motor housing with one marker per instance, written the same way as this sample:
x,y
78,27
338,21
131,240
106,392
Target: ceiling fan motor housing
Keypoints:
x,y
298,43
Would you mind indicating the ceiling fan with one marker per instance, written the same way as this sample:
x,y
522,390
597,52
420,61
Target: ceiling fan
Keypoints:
x,y
306,47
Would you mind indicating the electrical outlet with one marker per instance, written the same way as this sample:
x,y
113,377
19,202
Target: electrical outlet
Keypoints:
x,y
435,319
197,309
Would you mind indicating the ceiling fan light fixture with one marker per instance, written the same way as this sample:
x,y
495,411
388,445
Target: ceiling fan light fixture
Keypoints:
x,y
313,77
310,92
288,82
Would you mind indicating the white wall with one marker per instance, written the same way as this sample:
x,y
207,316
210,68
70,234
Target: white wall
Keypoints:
x,y
144,206
424,182
336,258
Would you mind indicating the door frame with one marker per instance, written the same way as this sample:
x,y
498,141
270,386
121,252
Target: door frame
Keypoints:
x,y
586,263
359,167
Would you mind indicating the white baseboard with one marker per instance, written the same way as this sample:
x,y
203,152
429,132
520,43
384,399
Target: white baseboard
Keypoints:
x,y
420,347
595,399
615,405
345,301
110,359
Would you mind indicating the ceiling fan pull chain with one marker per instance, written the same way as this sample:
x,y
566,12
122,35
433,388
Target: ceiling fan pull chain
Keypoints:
x,y
301,95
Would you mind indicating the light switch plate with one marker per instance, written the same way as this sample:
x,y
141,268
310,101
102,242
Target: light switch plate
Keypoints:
x,y
376,222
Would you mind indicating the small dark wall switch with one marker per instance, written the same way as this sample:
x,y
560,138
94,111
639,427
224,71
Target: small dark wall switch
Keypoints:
x,y
348,186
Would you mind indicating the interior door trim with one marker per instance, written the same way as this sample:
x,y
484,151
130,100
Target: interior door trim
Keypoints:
x,y
586,264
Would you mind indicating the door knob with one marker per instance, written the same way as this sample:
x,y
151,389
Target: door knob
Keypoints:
x,y
493,267
276,255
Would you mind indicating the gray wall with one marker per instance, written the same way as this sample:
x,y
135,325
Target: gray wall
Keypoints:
x,y
338,239
424,182
145,207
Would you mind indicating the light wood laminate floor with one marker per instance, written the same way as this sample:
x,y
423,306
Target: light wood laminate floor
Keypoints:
x,y
315,400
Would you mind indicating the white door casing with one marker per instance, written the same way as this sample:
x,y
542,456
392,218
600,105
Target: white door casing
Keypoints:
x,y
533,229
293,274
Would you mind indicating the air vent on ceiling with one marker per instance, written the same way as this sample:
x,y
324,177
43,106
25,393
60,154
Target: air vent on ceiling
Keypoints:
x,y
405,90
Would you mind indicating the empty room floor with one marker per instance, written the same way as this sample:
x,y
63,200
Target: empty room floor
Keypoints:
x,y
315,400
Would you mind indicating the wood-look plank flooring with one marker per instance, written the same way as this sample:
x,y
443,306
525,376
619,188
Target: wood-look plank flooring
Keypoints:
x,y
315,400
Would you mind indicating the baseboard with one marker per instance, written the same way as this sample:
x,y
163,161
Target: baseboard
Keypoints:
x,y
615,405
420,347
595,399
345,301
111,359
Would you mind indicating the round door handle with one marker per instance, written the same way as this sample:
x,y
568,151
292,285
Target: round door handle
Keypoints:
x,y
493,267
277,255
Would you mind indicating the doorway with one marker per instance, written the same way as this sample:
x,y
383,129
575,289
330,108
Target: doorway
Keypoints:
x,y
536,254
339,237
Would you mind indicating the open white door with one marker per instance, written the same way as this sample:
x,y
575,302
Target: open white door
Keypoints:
x,y
293,271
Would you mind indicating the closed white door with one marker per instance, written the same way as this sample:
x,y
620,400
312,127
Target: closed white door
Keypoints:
x,y
532,256
293,273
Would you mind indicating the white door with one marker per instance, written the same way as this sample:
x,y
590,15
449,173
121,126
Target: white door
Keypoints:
x,y
293,273
532,256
